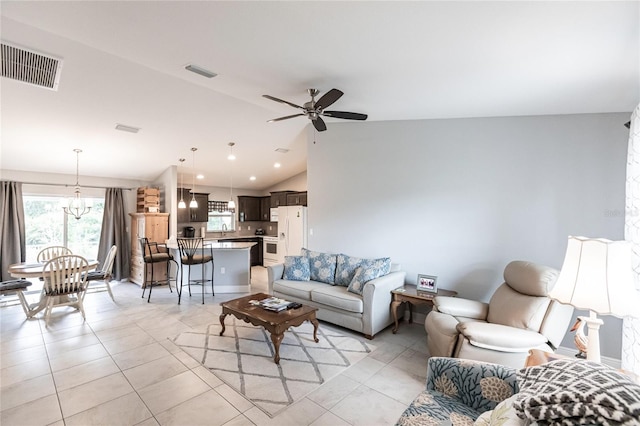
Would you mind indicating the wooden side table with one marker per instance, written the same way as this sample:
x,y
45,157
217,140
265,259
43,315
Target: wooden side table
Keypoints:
x,y
410,295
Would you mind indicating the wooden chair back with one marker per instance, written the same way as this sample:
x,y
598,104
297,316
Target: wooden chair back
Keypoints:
x,y
49,253
65,274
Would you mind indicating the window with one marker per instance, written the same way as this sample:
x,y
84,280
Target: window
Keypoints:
x,y
46,224
221,218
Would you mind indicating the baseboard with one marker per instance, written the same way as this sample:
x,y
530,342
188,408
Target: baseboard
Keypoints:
x,y
611,362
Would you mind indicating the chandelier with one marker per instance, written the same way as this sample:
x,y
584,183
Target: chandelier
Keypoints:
x,y
76,206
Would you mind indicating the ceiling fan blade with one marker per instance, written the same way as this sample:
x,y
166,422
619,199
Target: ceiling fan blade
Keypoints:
x,y
345,115
318,123
328,98
284,118
281,101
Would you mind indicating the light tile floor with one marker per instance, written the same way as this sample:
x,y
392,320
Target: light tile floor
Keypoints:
x,y
120,368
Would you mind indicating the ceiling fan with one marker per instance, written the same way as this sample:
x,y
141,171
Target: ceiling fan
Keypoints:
x,y
315,109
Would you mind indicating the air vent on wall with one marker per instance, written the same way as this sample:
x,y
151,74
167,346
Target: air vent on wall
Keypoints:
x,y
30,67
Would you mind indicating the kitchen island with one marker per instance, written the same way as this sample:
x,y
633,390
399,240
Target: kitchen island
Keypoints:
x,y
232,266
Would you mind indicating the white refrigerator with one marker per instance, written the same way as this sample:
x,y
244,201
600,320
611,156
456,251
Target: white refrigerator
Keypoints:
x,y
292,231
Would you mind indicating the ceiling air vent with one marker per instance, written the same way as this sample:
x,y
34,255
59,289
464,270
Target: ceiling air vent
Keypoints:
x,y
30,67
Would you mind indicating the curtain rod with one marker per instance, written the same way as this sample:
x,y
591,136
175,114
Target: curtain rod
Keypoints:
x,y
66,185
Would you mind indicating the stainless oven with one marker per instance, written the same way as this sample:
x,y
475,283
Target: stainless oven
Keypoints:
x,y
270,250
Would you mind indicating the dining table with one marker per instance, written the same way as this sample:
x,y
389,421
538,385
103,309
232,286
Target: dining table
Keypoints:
x,y
26,270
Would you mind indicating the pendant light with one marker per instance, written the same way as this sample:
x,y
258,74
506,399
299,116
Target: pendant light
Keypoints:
x,y
181,204
76,206
193,204
231,157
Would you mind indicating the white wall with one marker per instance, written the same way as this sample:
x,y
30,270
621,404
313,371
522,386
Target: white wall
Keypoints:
x,y
168,182
460,198
56,184
294,183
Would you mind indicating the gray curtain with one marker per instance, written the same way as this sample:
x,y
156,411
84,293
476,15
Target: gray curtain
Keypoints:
x,y
114,231
12,235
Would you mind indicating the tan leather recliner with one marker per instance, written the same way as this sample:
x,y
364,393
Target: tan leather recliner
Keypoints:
x,y
518,317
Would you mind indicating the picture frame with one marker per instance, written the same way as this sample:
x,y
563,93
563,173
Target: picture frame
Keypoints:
x,y
428,283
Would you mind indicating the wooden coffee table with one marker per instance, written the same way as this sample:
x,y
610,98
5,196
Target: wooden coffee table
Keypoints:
x,y
276,323
410,295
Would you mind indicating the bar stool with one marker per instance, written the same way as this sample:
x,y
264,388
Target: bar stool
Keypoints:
x,y
153,253
193,251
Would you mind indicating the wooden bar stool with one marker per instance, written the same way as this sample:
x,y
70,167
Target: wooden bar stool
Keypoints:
x,y
193,251
156,253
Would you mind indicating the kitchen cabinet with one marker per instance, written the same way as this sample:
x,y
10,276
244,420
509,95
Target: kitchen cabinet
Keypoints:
x,y
249,209
297,199
279,198
198,214
265,209
155,227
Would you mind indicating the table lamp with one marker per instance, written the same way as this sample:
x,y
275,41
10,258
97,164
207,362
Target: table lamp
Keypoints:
x,y
597,276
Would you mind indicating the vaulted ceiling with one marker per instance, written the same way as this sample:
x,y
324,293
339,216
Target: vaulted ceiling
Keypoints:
x,y
123,62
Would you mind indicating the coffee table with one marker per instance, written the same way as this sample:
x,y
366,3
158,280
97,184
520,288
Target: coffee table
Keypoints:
x,y
276,323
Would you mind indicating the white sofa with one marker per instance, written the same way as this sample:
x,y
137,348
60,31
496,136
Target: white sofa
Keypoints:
x,y
367,314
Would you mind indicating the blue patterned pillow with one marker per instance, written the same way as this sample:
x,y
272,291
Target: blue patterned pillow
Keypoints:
x,y
322,265
347,265
296,268
369,269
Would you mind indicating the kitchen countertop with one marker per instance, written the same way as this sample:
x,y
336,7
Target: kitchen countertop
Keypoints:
x,y
216,245
235,237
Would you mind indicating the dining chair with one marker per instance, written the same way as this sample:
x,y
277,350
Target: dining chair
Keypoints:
x,y
156,253
105,273
49,253
65,282
193,251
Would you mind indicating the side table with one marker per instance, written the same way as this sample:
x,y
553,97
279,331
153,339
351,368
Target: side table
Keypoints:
x,y
410,295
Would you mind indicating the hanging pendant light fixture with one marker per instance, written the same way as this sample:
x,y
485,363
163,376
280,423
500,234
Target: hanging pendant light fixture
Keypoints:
x,y
231,157
193,204
181,203
76,206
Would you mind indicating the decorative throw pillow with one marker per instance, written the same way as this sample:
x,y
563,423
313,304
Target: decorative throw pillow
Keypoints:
x,y
322,265
369,269
347,265
572,392
296,268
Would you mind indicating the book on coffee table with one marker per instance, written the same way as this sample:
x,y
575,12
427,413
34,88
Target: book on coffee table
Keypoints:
x,y
274,304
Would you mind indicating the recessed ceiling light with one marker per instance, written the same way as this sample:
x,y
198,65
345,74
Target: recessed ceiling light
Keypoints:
x,y
200,177
125,128
282,150
201,71
276,165
252,178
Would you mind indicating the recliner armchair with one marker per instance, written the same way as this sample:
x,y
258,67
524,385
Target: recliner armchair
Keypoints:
x,y
520,316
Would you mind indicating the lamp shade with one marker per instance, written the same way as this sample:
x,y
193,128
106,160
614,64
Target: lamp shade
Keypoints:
x,y
597,275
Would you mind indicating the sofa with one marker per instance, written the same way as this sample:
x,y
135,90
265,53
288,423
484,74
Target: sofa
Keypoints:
x,y
520,316
563,392
348,291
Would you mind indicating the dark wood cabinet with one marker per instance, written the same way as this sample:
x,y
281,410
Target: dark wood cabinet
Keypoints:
x,y
265,209
297,199
249,209
198,214
279,198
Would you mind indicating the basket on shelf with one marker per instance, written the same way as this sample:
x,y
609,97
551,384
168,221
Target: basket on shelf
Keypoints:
x,y
148,200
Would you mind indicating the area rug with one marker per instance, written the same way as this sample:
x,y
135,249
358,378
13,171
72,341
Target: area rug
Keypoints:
x,y
243,359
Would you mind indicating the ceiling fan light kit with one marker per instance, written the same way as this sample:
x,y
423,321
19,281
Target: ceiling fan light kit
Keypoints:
x,y
314,110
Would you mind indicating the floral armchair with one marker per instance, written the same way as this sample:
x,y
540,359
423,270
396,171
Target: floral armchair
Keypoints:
x,y
458,391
